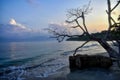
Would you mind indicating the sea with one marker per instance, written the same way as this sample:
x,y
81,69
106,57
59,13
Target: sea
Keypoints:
x,y
39,59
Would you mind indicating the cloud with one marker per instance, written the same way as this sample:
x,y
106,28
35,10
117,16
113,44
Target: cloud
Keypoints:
x,y
14,31
14,23
65,27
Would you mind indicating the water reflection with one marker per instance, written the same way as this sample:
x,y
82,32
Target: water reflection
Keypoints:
x,y
12,50
5,50
9,52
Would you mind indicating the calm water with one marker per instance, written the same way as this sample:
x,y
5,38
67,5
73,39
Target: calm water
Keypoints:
x,y
45,58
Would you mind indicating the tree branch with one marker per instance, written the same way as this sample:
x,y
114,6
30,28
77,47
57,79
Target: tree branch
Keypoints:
x,y
79,47
73,20
115,6
80,26
83,17
109,18
74,26
75,15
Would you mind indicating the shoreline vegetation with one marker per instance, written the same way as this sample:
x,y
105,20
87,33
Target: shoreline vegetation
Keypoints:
x,y
98,35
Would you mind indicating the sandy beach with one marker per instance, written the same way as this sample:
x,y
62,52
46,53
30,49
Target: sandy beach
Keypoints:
x,y
87,74
113,73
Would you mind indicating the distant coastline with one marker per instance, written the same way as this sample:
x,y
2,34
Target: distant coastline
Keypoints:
x,y
114,36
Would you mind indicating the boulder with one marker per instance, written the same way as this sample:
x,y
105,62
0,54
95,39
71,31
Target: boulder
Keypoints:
x,y
89,61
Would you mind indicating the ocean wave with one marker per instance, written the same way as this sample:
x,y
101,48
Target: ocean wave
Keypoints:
x,y
43,69
18,61
84,48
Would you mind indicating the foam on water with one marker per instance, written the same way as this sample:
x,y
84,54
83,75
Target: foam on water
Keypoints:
x,y
45,69
45,64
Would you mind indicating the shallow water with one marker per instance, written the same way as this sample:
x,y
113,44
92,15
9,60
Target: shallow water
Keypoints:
x,y
19,60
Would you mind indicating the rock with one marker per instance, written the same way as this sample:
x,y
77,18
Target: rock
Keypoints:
x,y
89,61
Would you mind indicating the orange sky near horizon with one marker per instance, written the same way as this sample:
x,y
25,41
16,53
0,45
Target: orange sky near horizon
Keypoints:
x,y
98,19
40,16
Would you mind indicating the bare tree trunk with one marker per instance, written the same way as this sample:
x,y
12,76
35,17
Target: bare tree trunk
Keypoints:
x,y
109,18
112,53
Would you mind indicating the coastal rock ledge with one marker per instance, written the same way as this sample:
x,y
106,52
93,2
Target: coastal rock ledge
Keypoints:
x,y
89,61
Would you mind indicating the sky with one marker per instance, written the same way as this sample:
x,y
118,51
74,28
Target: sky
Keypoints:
x,y
38,14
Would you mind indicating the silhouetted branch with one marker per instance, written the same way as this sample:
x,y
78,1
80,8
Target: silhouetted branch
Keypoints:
x,y
74,26
80,47
115,5
61,35
75,15
111,18
83,17
70,21
80,26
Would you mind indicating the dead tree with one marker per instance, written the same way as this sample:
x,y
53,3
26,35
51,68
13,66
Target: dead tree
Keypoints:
x,y
75,15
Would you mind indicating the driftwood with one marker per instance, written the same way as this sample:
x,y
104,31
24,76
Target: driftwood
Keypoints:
x,y
89,61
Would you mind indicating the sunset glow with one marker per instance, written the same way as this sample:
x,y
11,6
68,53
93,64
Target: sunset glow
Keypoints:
x,y
37,14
